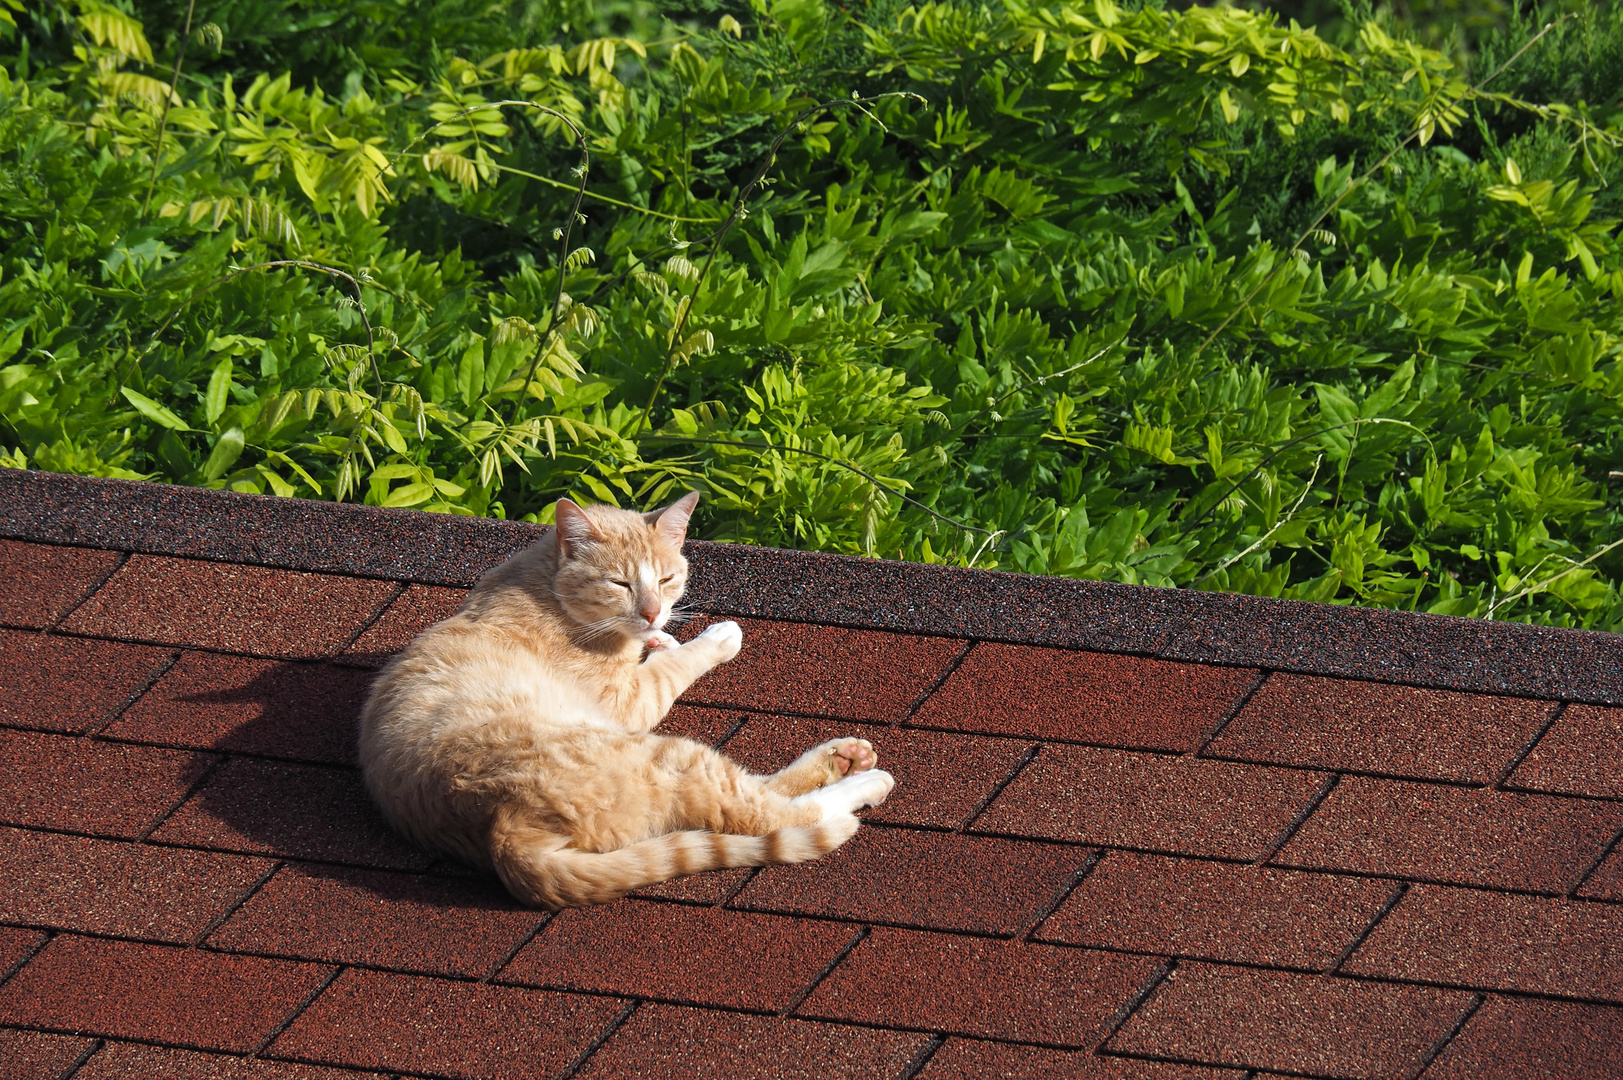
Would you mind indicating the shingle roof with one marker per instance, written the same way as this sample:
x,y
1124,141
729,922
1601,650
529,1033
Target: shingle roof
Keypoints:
x,y
1135,833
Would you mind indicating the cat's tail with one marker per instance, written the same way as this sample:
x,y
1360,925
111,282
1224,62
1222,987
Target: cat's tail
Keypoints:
x,y
537,871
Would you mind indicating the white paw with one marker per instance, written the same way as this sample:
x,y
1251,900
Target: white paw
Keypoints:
x,y
661,640
725,637
851,794
870,788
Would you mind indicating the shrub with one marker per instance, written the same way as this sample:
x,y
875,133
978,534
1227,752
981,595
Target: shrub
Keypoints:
x,y
1180,298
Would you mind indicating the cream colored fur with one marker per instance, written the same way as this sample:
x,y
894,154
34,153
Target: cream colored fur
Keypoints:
x,y
517,735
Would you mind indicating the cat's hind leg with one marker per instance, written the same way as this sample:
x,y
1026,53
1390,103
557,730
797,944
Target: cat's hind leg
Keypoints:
x,y
540,867
722,816
823,765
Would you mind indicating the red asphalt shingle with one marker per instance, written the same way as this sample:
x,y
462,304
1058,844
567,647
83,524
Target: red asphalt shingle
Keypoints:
x,y
700,956
1581,754
825,670
1217,911
974,986
15,946
941,778
1291,1023
1124,701
44,582
157,992
132,1061
244,609
119,889
412,612
936,881
1606,883
82,785
292,710
1498,941
1373,727
406,922
31,1055
295,811
375,1020
708,888
669,1042
1459,835
972,1059
53,683
1510,1039
1175,804
699,723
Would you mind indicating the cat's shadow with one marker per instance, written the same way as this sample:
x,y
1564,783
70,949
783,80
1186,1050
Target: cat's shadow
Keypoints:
x,y
291,787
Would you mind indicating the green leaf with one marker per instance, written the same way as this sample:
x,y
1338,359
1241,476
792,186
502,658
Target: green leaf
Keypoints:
x,y
915,224
470,380
227,449
278,485
153,411
410,494
219,392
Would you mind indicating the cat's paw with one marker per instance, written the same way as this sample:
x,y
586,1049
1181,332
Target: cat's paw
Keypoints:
x,y
842,757
851,794
823,765
660,640
725,637
852,755
870,788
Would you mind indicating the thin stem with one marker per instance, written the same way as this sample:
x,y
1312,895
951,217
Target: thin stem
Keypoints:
x,y
1280,524
563,262
1547,582
163,122
1475,91
569,223
605,198
236,272
750,444
1039,380
740,208
1246,479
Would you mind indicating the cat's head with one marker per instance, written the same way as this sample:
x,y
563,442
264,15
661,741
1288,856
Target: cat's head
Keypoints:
x,y
619,572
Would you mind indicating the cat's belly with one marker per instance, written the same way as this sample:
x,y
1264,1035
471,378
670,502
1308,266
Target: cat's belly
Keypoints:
x,y
437,740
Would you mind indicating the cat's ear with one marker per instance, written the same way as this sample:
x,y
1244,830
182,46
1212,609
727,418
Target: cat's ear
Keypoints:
x,y
672,522
574,527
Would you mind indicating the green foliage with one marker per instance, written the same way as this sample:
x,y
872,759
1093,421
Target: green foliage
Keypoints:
x,y
1098,289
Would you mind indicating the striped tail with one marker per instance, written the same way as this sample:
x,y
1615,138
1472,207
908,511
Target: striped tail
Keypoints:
x,y
537,872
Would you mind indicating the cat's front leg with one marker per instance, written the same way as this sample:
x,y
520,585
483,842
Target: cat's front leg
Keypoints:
x,y
669,671
724,639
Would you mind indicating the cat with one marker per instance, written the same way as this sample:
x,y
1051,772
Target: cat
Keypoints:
x,y
517,735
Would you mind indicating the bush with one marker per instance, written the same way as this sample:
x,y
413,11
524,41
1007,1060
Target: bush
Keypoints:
x,y
1179,298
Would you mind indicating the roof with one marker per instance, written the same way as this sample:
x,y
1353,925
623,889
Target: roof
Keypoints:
x,y
1136,832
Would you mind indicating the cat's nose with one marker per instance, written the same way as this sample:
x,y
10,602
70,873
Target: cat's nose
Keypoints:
x,y
649,610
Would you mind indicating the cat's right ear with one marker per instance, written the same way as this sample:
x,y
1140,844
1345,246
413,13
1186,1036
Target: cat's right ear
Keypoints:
x,y
574,527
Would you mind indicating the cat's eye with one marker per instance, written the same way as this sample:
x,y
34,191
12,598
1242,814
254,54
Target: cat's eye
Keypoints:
x,y
622,584
667,579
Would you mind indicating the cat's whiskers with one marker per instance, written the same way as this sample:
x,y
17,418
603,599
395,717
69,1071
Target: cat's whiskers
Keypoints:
x,y
591,631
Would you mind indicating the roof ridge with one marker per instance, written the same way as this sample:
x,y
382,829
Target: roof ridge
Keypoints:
x,y
742,580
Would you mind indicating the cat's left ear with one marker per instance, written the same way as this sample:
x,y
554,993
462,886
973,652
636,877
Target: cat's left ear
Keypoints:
x,y
672,522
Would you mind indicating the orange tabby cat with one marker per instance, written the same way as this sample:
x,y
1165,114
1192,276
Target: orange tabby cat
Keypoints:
x,y
517,734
